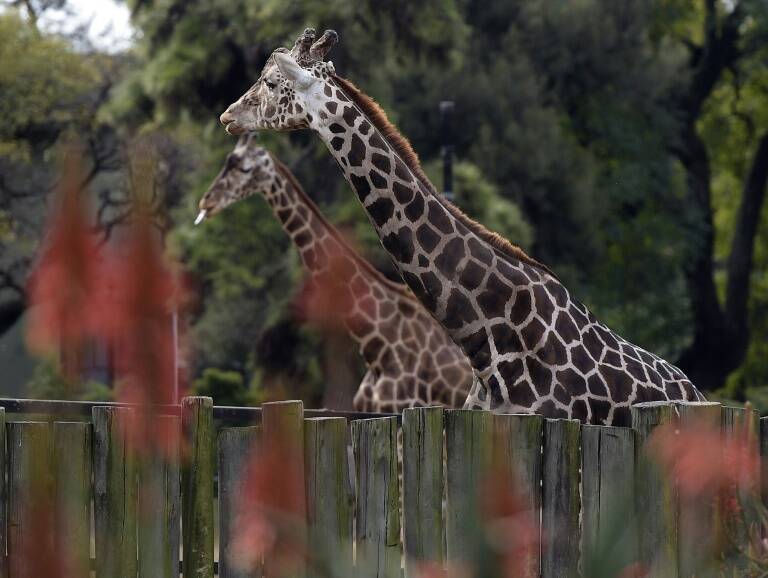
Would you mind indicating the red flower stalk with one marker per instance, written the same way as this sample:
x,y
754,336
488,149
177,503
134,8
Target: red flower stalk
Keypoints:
x,y
66,272
272,516
510,523
136,300
703,461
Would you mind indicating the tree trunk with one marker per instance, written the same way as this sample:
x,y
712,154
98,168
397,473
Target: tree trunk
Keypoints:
x,y
721,335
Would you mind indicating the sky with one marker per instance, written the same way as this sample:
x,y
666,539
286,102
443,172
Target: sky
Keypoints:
x,y
109,28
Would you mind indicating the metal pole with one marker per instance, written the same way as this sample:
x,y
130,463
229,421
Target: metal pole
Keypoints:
x,y
446,138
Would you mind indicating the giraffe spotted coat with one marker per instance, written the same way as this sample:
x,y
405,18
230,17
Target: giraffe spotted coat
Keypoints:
x,y
410,359
532,345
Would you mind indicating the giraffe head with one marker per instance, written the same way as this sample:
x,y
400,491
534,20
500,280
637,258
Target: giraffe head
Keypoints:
x,y
283,95
248,169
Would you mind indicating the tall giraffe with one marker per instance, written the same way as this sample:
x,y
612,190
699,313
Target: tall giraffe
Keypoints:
x,y
410,359
532,345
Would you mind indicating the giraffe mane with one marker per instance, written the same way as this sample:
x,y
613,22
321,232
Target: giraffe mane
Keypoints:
x,y
404,150
399,288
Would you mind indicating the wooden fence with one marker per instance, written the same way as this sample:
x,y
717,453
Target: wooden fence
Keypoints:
x,y
575,476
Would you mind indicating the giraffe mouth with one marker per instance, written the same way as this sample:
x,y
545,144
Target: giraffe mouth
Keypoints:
x,y
234,128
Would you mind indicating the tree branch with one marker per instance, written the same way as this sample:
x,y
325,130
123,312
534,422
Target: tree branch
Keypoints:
x,y
743,244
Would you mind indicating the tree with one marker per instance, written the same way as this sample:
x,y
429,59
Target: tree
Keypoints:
x,y
48,89
726,46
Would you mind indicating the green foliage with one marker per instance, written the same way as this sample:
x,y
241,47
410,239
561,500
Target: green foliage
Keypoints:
x,y
225,387
43,83
47,382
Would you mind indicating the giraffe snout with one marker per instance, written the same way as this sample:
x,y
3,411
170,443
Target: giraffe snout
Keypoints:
x,y
227,117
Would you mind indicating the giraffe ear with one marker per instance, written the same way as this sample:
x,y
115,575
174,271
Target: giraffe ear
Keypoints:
x,y
292,71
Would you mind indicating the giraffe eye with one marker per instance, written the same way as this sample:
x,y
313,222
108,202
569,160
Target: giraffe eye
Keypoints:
x,y
271,85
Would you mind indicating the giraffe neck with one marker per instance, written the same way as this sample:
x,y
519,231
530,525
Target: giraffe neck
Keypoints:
x,y
368,298
458,275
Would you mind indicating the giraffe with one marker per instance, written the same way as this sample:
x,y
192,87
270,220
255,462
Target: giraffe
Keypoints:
x,y
410,359
533,347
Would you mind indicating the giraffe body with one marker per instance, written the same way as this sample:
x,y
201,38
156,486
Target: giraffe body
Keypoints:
x,y
410,359
533,346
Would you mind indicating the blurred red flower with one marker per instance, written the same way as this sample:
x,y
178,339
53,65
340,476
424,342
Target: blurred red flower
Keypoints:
x,y
66,272
703,460
511,525
136,299
272,518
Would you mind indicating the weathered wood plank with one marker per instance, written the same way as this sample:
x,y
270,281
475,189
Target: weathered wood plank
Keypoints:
x,y
72,476
3,496
423,487
764,458
283,430
655,496
609,526
197,487
740,427
114,493
517,444
699,525
561,502
30,505
236,446
329,513
378,520
468,439
160,504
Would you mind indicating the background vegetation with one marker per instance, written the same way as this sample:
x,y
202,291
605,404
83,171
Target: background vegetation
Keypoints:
x,y
625,144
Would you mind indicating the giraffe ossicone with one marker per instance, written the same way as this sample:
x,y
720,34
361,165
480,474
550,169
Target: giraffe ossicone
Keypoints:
x,y
410,360
532,345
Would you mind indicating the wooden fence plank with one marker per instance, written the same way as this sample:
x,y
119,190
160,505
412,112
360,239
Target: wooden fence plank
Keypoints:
x,y
699,523
72,476
159,504
283,428
114,489
468,439
3,497
378,520
329,512
423,487
236,446
197,487
764,459
517,443
655,496
31,500
609,526
561,502
740,427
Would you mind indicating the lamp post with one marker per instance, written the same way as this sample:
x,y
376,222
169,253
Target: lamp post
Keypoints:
x,y
446,140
